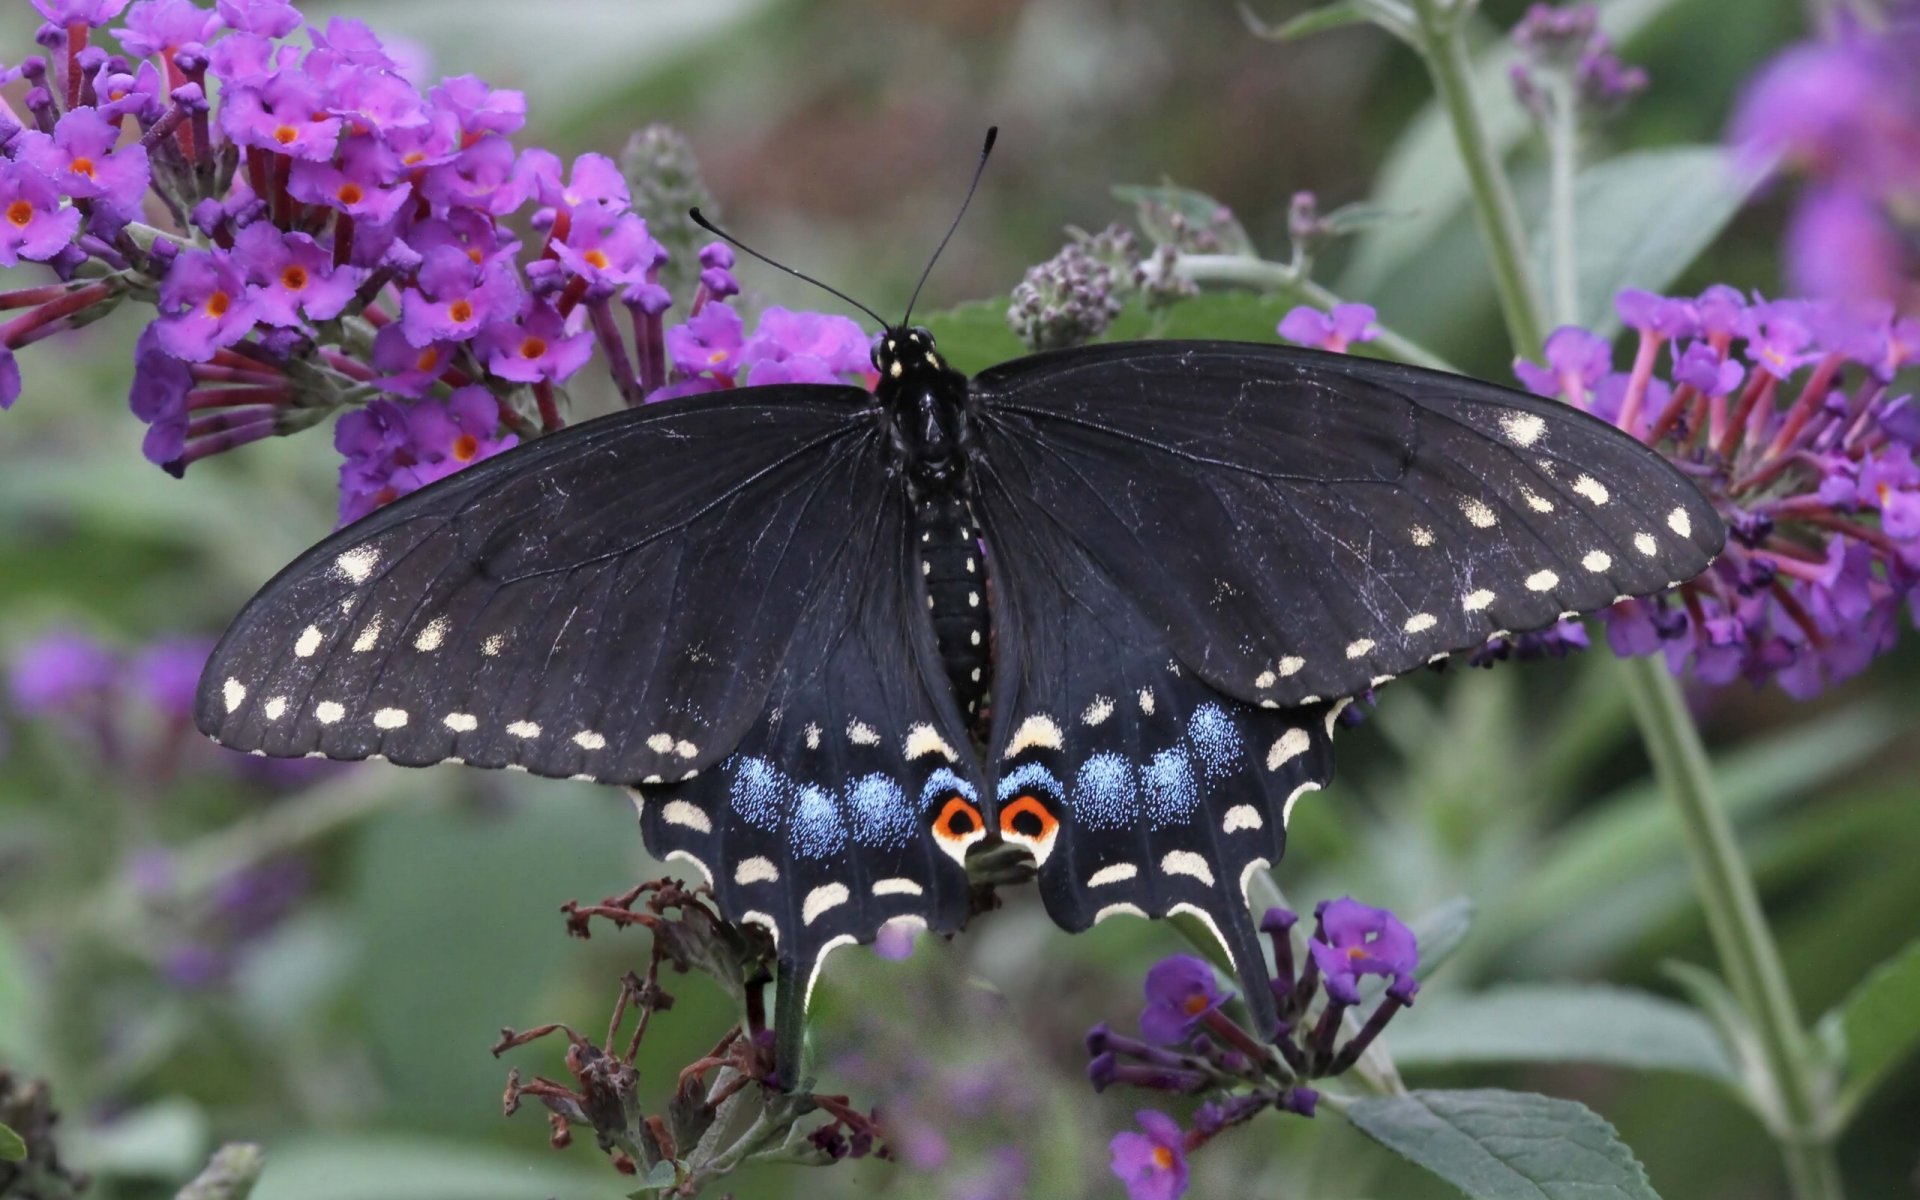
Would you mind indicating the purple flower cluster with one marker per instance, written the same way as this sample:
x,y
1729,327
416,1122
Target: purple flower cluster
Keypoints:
x,y
1783,412
1846,112
331,237
1190,1046
1564,54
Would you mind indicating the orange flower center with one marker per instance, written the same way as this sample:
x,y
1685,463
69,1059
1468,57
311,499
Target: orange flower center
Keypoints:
x,y
1163,1158
533,347
1195,1004
460,310
218,303
474,254
20,212
350,193
598,258
465,447
413,157
286,135
428,360
83,166
294,278
1356,953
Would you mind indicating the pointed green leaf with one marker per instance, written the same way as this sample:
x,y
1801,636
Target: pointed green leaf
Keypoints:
x,y
1496,1145
1643,218
1612,1026
12,1149
1879,1024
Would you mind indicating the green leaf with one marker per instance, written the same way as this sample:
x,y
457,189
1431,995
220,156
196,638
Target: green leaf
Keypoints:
x,y
16,996
1422,174
1306,24
1612,1026
1878,1024
380,1168
1643,218
1154,204
1496,1145
12,1149
975,336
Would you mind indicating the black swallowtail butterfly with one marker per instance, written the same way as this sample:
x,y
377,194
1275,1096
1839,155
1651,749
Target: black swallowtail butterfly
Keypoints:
x,y
1103,603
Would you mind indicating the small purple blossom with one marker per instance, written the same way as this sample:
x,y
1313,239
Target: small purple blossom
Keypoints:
x,y
80,159
33,224
804,347
457,297
285,114
167,673
1356,939
1180,991
363,182
85,12
1334,330
60,671
161,383
708,343
160,27
536,347
1576,361
1152,1163
267,18
391,449
204,306
291,276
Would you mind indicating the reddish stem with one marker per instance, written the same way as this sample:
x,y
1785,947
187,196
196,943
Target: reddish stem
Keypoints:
x,y
1636,396
76,42
200,399
1812,397
1761,385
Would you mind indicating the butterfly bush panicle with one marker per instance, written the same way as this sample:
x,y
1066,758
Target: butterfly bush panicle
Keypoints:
x,y
1190,1046
1785,413
1074,296
329,237
1845,112
1566,60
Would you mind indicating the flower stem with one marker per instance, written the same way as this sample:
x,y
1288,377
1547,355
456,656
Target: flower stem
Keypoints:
x,y
1742,939
1243,270
1494,206
1745,944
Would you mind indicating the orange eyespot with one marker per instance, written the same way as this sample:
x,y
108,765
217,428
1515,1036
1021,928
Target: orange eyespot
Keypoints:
x,y
959,821
1027,820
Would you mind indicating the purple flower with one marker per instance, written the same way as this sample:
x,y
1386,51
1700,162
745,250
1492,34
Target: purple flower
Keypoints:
x,y
457,297
1180,991
1662,315
481,177
1706,370
60,670
9,378
204,306
365,185
167,672
804,347
161,384
535,347
267,18
1576,361
392,449
1345,325
284,113
1152,1164
86,12
1841,243
709,342
596,183
292,276
81,161
716,271
164,26
479,107
1357,940
33,224
615,250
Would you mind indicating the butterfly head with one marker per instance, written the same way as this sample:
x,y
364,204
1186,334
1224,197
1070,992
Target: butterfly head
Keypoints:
x,y
925,401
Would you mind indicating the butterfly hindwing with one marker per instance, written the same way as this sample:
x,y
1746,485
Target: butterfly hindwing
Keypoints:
x,y
1139,788
853,797
609,602
1305,525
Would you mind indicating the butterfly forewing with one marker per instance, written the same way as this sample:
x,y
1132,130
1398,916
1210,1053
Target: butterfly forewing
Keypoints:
x,y
610,602
1306,525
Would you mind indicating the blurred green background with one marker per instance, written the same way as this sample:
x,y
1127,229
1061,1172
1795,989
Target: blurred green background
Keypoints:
x,y
348,1021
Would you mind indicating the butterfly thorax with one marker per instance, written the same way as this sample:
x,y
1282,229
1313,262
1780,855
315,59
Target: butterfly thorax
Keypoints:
x,y
925,402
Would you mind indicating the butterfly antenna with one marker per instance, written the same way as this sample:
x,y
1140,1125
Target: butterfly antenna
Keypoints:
x,y
993,132
724,236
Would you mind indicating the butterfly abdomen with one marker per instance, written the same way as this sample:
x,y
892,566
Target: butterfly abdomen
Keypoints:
x,y
956,577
